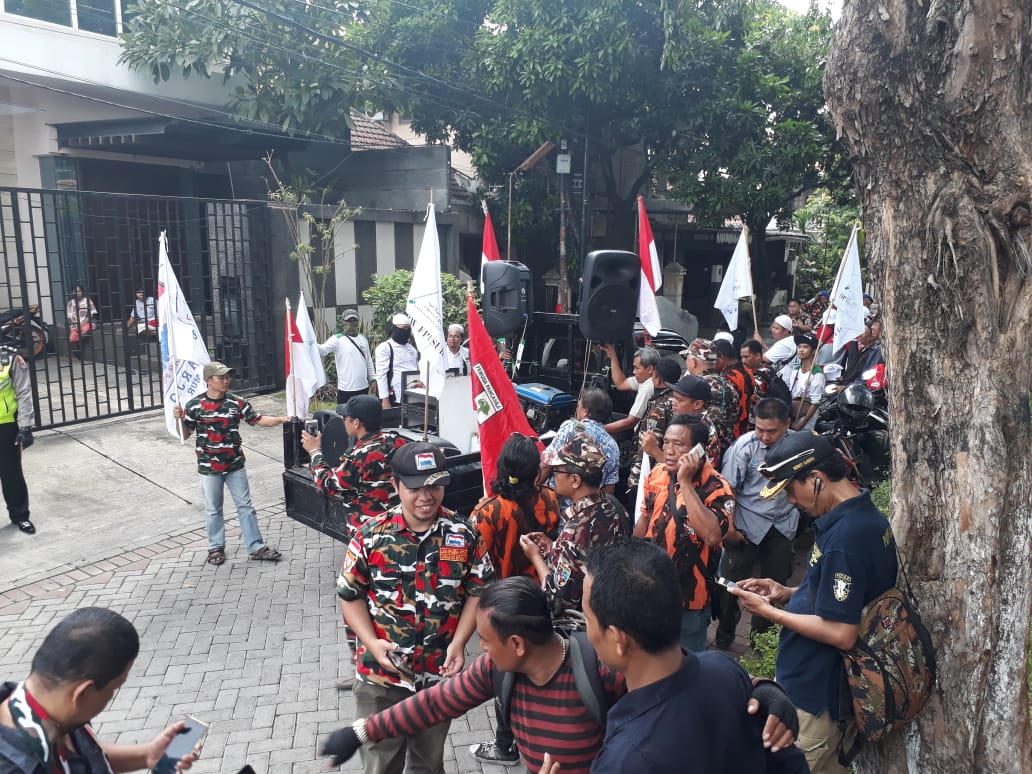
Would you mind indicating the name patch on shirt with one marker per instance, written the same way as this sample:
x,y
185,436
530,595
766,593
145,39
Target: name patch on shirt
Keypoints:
x,y
452,554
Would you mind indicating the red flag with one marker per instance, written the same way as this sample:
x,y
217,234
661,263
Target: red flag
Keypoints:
x,y
489,251
494,398
651,274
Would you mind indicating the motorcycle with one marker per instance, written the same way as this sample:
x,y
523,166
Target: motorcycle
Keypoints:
x,y
856,421
31,338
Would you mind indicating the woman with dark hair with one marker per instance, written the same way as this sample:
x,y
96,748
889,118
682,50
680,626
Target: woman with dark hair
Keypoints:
x,y
82,318
518,507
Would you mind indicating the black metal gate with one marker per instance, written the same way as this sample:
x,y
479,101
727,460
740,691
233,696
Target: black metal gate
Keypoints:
x,y
53,241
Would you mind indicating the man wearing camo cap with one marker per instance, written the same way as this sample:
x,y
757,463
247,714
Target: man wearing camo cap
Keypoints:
x,y
722,409
593,518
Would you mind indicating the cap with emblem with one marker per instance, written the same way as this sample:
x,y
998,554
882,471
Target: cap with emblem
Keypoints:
x,y
701,349
791,458
401,319
420,464
582,453
350,314
215,368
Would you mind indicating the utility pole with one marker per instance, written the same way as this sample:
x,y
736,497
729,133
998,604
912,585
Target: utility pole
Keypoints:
x,y
562,167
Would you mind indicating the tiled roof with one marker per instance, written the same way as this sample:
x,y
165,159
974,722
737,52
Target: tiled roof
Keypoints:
x,y
368,134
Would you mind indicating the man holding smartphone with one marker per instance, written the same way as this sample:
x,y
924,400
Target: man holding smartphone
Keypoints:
x,y
687,510
409,585
44,720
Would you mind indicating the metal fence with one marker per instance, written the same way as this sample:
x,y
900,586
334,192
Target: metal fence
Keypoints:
x,y
52,241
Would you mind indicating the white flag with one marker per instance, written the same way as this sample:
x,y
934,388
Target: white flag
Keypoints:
x,y
847,297
639,498
183,351
305,374
737,282
424,307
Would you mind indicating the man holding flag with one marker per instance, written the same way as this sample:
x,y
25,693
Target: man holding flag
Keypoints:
x,y
216,415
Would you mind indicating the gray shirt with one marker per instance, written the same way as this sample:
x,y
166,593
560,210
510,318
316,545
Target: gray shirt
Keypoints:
x,y
754,516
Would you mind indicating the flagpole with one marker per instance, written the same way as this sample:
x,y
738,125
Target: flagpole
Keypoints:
x,y
292,386
752,283
163,240
426,403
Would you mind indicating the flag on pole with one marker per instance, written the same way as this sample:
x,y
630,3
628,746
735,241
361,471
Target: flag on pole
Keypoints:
x,y
651,273
424,307
494,398
183,351
847,296
489,251
737,282
305,374
639,498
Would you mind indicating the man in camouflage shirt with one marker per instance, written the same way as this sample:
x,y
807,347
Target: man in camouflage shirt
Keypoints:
x,y
408,588
363,477
657,416
722,411
593,518
215,415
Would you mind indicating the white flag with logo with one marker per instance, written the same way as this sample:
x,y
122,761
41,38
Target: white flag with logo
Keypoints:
x,y
424,307
847,297
737,282
183,351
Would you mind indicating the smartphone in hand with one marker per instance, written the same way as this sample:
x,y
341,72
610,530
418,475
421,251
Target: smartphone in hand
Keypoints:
x,y
698,452
727,584
184,742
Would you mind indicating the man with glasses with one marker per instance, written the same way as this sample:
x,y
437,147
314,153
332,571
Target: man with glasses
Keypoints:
x,y
593,518
687,509
215,414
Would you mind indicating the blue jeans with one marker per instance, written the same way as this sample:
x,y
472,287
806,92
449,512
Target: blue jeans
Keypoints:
x,y
694,624
236,483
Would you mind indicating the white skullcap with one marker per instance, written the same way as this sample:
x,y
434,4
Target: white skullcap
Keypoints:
x,y
456,327
784,321
401,319
724,336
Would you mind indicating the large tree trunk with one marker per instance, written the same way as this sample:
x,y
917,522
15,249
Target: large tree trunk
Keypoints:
x,y
932,101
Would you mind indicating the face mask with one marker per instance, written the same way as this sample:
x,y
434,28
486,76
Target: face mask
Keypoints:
x,y
401,335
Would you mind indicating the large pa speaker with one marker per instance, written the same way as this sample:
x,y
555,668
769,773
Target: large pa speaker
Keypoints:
x,y
609,295
508,288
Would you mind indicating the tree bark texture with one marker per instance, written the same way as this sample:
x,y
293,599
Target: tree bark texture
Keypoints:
x,y
932,100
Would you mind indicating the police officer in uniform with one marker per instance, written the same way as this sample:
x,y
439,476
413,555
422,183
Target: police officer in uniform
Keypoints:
x,y
16,417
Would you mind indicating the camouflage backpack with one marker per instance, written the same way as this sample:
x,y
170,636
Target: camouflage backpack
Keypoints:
x,y
891,668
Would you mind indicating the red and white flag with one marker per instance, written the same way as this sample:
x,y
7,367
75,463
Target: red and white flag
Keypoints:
x,y
494,398
651,274
489,252
305,374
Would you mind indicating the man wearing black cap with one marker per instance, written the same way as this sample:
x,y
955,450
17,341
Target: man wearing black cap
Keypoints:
x,y
363,477
408,588
354,364
691,395
852,562
657,416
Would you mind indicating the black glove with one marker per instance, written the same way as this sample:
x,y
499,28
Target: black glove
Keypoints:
x,y
776,703
342,745
25,439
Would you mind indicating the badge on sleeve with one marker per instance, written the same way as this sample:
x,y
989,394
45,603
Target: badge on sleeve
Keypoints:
x,y
842,584
349,562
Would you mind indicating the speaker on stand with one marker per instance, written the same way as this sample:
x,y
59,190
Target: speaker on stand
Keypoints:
x,y
508,296
609,295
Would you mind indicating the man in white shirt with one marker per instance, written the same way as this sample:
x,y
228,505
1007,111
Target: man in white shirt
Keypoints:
x,y
784,347
395,357
456,356
355,374
645,361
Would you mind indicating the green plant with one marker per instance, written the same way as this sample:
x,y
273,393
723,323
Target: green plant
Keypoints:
x,y
389,295
881,495
759,660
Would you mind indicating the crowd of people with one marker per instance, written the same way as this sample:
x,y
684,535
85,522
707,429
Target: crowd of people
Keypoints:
x,y
592,605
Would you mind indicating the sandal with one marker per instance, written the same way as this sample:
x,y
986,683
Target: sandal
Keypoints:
x,y
266,554
216,556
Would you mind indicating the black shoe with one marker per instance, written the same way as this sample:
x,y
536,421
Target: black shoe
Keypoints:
x,y
489,752
26,526
723,640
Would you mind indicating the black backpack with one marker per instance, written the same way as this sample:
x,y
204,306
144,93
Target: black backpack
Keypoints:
x,y
584,662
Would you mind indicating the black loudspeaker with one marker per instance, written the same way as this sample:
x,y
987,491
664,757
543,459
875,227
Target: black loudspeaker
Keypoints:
x,y
508,288
609,295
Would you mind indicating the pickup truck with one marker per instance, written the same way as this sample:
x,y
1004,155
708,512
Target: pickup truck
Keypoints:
x,y
555,363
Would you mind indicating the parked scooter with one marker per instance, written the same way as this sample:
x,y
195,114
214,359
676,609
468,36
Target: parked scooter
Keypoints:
x,y
856,421
30,343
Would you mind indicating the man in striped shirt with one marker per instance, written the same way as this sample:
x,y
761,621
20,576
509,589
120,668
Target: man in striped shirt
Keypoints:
x,y
546,711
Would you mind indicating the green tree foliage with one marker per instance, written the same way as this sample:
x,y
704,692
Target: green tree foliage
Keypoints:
x,y
830,224
389,295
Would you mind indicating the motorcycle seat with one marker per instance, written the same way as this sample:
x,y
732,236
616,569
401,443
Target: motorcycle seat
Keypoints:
x,y
10,315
